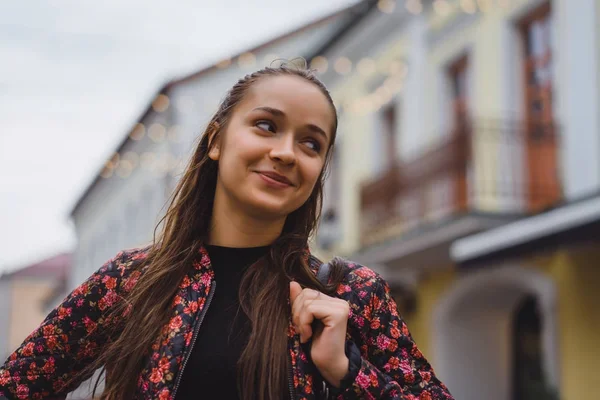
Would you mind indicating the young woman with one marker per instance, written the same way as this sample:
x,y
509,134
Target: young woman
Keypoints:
x,y
225,303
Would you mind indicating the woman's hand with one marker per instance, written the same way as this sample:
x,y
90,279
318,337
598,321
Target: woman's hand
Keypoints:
x,y
328,344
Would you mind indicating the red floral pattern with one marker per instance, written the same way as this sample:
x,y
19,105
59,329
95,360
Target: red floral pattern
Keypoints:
x,y
73,334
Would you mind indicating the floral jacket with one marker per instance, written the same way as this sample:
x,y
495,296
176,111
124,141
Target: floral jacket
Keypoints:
x,y
390,364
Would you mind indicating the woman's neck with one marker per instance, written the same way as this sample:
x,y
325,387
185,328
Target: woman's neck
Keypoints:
x,y
230,229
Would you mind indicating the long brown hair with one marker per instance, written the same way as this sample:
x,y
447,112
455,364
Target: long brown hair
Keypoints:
x,y
264,292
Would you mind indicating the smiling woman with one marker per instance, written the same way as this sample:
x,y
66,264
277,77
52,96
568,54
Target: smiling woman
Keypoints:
x,y
242,215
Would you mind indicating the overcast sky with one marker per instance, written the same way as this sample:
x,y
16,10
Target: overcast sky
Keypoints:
x,y
75,74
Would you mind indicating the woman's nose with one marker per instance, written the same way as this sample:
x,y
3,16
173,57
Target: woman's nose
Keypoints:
x,y
283,150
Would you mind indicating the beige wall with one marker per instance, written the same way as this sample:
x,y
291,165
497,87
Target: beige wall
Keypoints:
x,y
27,308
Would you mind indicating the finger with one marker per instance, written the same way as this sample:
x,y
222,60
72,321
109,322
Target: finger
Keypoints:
x,y
305,320
295,291
300,302
329,312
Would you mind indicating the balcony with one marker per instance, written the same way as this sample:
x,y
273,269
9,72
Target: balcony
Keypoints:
x,y
491,170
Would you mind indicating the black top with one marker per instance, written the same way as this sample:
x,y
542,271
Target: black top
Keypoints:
x,y
212,367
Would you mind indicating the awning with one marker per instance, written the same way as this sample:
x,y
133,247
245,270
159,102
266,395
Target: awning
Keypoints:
x,y
572,223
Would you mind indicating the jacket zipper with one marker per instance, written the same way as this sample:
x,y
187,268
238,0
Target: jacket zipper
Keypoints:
x,y
291,378
197,324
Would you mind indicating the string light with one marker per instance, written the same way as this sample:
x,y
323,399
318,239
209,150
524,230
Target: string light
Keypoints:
x,y
157,132
114,160
125,169
397,67
223,63
366,67
442,7
247,60
386,6
106,172
319,63
343,65
132,158
484,5
138,132
468,6
414,6
161,103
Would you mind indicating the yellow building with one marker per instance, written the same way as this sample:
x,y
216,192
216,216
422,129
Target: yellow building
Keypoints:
x,y
465,174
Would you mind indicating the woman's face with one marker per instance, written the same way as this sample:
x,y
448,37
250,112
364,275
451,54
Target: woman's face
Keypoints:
x,y
273,149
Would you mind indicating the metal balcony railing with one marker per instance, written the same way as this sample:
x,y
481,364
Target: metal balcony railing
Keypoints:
x,y
482,166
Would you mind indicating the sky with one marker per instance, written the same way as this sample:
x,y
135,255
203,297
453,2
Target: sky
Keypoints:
x,y
75,75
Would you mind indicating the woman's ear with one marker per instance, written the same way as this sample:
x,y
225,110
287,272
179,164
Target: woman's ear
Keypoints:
x,y
214,143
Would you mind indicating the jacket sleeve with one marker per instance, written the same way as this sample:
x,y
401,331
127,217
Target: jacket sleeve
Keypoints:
x,y
390,365
68,340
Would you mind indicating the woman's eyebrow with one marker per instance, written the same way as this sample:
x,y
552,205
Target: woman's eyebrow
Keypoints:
x,y
278,113
271,110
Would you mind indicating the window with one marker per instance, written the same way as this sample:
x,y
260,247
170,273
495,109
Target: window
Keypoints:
x,y
542,184
459,78
329,224
389,128
386,133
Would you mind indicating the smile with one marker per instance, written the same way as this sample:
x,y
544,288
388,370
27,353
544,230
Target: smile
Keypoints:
x,y
274,180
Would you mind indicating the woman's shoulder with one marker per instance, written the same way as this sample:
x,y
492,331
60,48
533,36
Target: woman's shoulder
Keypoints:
x,y
123,268
359,273
358,278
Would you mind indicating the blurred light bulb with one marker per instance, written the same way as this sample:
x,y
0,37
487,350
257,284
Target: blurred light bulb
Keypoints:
x,y
468,6
247,60
386,6
131,158
160,103
157,132
504,3
223,63
484,5
343,65
441,7
106,173
319,63
125,169
397,68
138,131
366,67
414,6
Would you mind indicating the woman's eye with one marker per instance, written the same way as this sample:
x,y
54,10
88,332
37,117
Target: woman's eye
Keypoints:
x,y
314,145
266,126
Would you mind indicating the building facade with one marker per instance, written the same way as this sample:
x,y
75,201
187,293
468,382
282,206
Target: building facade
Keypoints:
x,y
461,121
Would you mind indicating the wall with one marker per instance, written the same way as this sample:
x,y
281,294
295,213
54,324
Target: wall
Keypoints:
x,y
579,99
27,312
577,276
5,315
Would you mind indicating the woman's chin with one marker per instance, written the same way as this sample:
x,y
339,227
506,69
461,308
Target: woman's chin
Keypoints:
x,y
270,208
